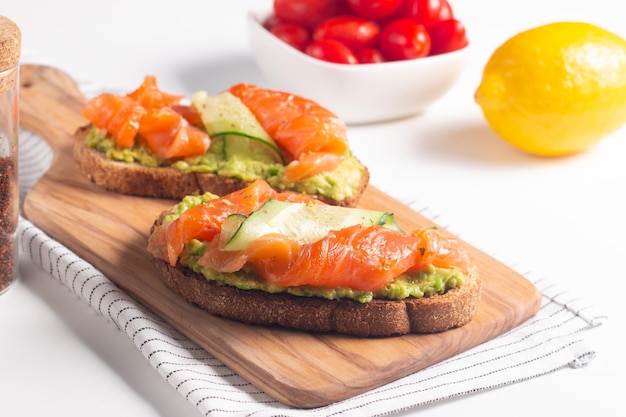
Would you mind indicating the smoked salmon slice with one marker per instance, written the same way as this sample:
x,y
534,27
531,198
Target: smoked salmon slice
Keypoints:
x,y
303,128
357,257
118,115
170,135
152,116
150,96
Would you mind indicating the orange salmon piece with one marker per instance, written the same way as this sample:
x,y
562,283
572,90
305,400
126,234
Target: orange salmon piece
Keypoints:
x,y
440,251
150,96
357,257
124,126
189,113
270,108
170,135
102,108
298,125
273,249
310,133
310,164
159,126
166,126
189,141
118,115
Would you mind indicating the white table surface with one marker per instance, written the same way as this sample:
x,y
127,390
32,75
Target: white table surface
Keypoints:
x,y
563,218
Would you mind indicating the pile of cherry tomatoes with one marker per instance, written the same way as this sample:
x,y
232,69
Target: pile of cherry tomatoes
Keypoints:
x,y
367,31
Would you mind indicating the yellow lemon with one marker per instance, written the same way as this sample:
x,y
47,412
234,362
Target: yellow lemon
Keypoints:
x,y
555,89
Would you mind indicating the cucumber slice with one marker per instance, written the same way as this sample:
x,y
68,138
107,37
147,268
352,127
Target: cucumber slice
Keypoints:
x,y
245,148
225,114
306,223
229,227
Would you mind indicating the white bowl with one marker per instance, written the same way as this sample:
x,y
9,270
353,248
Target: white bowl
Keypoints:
x,y
365,93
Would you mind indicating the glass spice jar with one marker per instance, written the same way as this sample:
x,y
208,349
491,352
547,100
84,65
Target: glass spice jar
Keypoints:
x,y
10,48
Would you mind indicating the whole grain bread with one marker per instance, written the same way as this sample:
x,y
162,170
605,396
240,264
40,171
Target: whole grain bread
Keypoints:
x,y
318,315
377,318
165,182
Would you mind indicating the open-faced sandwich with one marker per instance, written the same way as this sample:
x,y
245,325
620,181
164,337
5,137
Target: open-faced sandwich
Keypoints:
x,y
149,143
284,259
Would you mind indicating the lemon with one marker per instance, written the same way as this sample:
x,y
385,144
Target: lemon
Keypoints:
x,y
555,89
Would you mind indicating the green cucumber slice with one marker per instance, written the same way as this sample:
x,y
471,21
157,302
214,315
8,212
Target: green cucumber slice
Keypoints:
x,y
225,114
306,223
229,227
245,148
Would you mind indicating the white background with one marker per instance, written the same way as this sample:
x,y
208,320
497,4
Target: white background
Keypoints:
x,y
562,218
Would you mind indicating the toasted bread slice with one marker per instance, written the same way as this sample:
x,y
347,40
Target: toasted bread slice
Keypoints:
x,y
318,315
166,182
378,318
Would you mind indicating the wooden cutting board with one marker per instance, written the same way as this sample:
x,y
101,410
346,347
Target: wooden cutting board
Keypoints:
x,y
301,370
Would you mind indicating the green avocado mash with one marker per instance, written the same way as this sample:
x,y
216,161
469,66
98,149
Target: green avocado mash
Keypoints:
x,y
339,184
417,285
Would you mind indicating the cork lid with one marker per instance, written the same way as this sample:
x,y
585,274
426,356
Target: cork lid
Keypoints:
x,y
10,44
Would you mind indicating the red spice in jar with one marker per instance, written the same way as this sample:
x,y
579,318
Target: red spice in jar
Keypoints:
x,y
10,49
8,221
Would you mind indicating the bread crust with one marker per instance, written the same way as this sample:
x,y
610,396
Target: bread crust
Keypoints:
x,y
164,182
377,318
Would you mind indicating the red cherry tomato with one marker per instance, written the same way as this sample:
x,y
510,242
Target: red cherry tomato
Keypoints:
x,y
307,13
370,56
404,39
293,34
374,9
425,12
446,36
354,32
271,21
331,51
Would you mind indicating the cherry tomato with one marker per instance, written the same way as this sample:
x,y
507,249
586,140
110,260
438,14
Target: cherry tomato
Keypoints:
x,y
307,13
374,9
354,32
404,39
446,36
271,21
331,51
293,34
425,12
370,56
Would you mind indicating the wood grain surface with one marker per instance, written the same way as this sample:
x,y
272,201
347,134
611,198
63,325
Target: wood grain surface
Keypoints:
x,y
302,370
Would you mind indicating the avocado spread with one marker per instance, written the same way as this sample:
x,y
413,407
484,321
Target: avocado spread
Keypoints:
x,y
236,162
419,284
